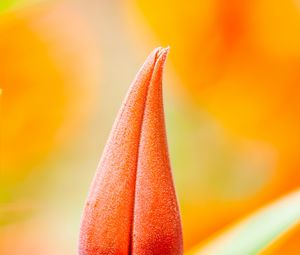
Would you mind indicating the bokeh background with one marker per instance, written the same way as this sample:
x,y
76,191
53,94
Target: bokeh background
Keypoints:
x,y
232,93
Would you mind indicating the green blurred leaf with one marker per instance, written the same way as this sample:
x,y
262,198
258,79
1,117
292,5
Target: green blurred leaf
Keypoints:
x,y
257,232
6,5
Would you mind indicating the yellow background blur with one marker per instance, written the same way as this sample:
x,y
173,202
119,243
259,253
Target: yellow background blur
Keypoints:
x,y
232,93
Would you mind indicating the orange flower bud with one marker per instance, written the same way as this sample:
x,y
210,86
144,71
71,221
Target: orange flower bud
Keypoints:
x,y
132,206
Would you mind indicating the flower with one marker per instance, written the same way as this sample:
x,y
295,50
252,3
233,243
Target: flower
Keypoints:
x,y
132,206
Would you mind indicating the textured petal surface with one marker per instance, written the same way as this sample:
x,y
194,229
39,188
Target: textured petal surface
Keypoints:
x,y
110,213
156,228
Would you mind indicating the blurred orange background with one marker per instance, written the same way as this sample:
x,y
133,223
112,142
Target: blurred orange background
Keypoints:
x,y
231,100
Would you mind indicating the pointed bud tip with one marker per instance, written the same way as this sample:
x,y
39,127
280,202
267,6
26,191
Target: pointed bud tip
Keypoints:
x,y
162,55
167,48
163,51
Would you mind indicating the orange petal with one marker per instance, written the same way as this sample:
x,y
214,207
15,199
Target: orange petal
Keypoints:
x,y
156,225
132,206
